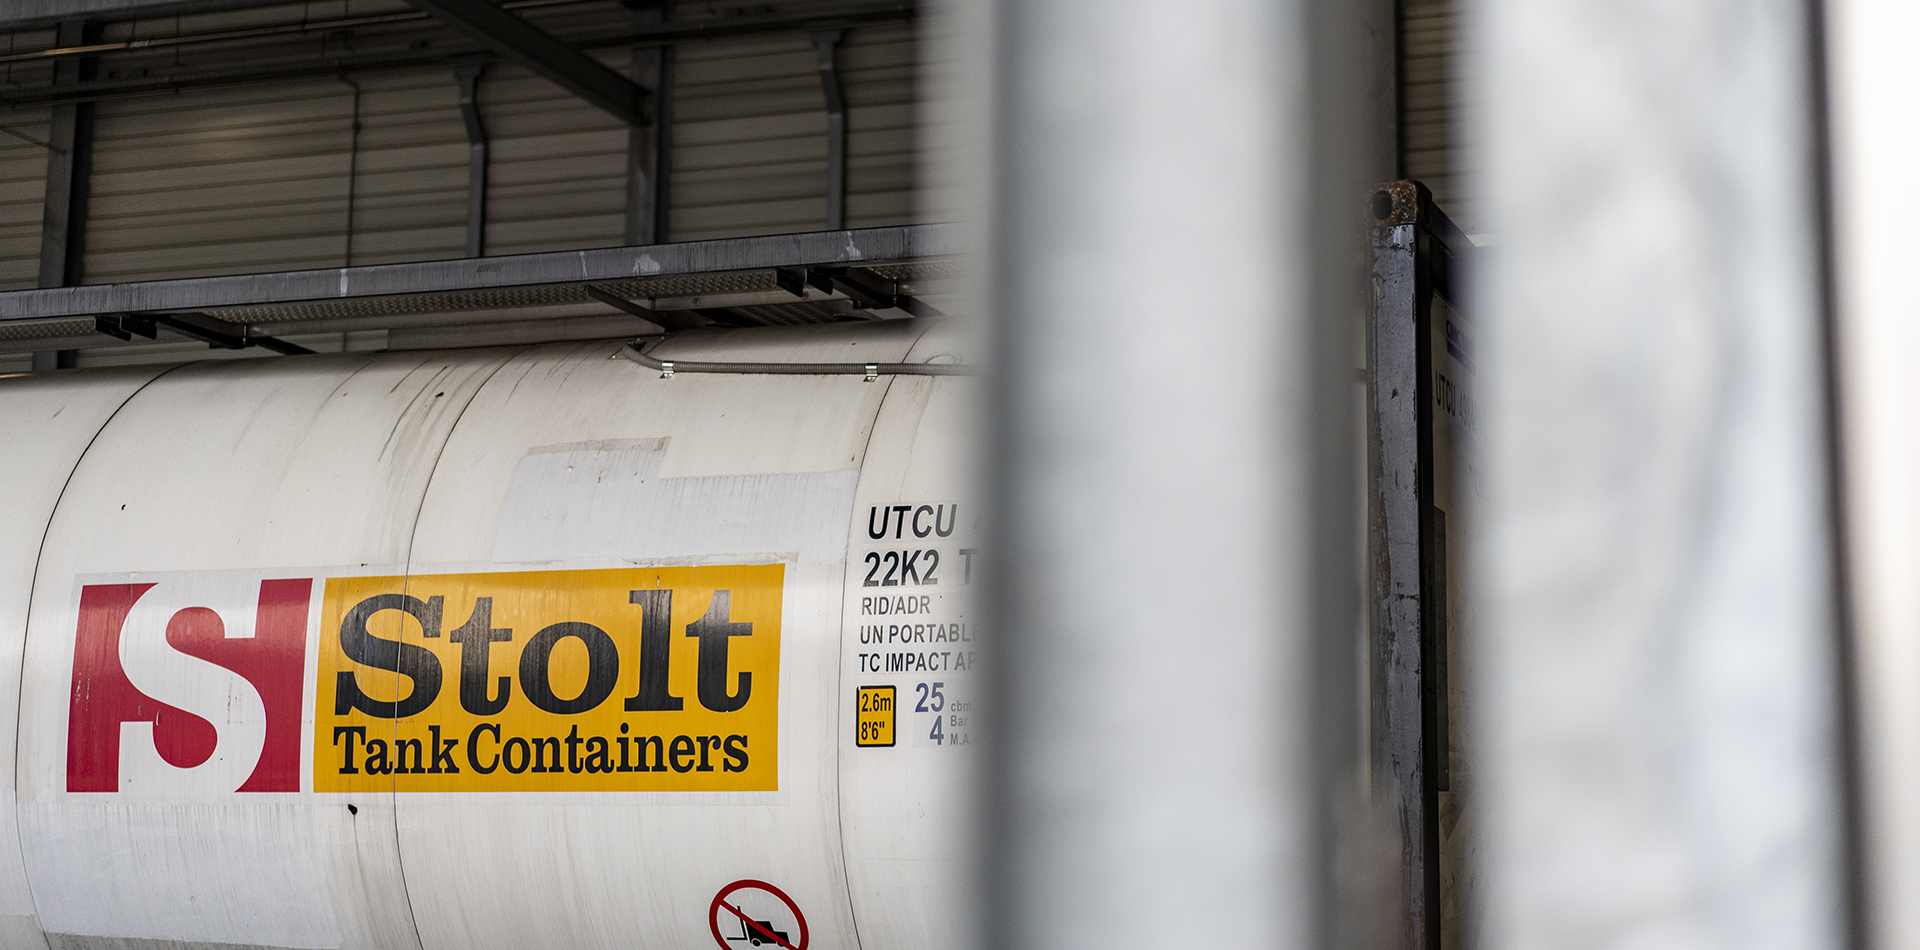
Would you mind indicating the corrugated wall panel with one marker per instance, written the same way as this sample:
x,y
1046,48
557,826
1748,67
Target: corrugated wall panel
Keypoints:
x,y
1433,143
23,181
256,178
750,133
222,181
877,64
557,178
253,178
410,176
750,138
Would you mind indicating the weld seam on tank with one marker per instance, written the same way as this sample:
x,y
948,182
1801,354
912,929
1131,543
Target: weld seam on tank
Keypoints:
x,y
668,368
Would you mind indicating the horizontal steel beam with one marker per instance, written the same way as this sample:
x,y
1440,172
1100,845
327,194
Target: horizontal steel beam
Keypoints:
x,y
254,73
414,58
266,31
748,23
30,14
212,331
27,14
861,247
536,49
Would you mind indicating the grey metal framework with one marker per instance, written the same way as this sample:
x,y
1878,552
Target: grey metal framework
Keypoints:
x,y
80,67
1417,254
816,277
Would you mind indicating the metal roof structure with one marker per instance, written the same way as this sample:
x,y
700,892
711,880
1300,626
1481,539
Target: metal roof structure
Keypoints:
x,y
206,161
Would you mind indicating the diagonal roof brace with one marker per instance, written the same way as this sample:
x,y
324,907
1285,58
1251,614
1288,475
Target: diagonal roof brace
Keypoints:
x,y
538,50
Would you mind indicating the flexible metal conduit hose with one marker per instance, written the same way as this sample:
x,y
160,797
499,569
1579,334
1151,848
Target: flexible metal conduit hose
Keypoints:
x,y
871,371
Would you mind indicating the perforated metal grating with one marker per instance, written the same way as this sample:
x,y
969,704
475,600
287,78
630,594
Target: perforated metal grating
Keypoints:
x,y
908,272
504,298
45,330
555,295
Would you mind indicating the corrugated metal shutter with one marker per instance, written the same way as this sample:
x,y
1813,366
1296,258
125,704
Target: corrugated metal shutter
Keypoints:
x,y
23,182
1430,108
245,179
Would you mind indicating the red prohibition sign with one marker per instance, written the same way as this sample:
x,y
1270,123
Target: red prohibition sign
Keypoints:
x,y
757,932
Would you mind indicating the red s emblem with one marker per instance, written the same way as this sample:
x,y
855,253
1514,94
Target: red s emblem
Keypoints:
x,y
272,660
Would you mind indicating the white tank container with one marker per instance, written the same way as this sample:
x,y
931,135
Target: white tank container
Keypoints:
x,y
519,647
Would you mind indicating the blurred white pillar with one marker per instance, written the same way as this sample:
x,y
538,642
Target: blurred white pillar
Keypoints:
x,y
1876,112
1660,699
1178,257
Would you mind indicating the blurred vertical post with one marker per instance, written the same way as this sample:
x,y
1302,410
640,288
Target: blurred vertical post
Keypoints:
x,y
1662,686
1875,102
1178,273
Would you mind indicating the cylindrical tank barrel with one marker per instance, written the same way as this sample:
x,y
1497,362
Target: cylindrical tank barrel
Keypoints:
x,y
517,647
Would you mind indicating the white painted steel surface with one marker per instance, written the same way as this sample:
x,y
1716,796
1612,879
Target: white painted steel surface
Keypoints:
x,y
310,462
56,418
498,460
921,450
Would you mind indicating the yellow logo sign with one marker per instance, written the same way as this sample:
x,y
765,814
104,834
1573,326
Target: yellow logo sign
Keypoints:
x,y
634,679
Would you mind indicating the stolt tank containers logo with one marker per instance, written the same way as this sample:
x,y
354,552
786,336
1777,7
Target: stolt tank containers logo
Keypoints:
x,y
192,685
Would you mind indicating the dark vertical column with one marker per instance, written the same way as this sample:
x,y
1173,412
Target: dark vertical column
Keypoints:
x,y
650,147
469,77
643,156
353,170
1433,648
827,44
1399,487
663,147
63,218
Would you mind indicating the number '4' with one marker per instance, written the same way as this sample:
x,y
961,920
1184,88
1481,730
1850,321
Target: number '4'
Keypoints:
x,y
933,701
